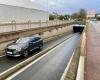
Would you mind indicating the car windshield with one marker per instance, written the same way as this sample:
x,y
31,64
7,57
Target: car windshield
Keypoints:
x,y
23,40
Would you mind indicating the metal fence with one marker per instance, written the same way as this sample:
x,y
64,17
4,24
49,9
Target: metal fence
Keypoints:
x,y
15,26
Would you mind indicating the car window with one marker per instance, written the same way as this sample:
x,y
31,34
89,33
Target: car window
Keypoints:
x,y
37,38
33,40
23,40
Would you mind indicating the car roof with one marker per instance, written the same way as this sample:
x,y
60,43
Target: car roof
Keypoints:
x,y
31,37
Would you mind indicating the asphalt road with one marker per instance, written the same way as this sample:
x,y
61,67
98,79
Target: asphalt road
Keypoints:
x,y
6,63
51,66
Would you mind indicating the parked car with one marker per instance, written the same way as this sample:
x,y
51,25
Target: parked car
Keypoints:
x,y
23,46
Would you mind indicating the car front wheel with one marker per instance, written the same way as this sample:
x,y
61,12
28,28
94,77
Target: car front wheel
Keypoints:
x,y
41,47
25,54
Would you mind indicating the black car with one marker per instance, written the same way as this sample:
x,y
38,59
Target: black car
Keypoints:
x,y
23,46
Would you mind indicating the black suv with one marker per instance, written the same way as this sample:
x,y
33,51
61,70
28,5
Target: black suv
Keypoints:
x,y
23,46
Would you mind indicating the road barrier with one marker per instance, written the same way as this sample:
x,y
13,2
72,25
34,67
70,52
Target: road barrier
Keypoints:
x,y
16,26
81,65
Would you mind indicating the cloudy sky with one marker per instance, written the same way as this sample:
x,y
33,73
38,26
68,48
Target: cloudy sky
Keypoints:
x,y
68,6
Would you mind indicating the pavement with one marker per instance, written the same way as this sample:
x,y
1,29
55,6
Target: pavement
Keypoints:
x,y
93,52
6,63
51,66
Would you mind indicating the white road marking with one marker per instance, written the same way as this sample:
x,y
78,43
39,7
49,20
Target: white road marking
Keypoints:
x,y
68,65
80,71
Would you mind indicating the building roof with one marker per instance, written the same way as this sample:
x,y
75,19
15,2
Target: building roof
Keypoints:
x,y
21,3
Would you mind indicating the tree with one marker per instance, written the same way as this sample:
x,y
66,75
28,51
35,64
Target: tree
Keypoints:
x,y
82,14
74,16
61,17
51,17
79,16
66,17
55,16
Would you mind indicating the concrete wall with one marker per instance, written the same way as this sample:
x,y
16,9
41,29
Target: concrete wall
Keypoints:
x,y
16,26
9,13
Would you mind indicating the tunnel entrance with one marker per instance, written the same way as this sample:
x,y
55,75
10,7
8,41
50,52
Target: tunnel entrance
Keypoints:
x,y
78,28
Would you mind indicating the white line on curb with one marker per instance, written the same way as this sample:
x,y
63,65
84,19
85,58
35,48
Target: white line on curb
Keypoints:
x,y
80,71
66,70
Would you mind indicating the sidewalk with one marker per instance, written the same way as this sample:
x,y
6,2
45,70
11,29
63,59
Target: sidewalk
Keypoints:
x,y
93,52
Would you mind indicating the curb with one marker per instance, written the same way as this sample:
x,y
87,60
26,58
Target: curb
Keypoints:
x,y
10,71
81,65
80,71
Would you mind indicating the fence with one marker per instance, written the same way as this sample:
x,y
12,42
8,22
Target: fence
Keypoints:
x,y
15,26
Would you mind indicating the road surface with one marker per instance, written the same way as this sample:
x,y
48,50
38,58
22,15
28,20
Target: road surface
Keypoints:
x,y
6,63
51,66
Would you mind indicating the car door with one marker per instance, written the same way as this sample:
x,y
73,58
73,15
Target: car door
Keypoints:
x,y
34,44
37,40
30,45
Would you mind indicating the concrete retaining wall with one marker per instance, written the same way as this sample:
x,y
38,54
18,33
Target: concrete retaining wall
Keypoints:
x,y
5,39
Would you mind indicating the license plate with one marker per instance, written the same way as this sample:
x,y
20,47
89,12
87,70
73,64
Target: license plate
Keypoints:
x,y
9,52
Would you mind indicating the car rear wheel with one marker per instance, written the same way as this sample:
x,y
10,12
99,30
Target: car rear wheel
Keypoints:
x,y
25,54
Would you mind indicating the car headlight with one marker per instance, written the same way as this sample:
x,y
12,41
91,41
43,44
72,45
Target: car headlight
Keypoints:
x,y
18,49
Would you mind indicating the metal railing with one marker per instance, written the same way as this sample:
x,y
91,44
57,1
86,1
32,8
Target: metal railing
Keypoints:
x,y
15,26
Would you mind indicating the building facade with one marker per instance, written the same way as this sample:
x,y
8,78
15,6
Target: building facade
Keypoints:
x,y
21,10
91,14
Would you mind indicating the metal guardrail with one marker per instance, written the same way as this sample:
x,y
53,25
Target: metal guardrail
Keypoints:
x,y
15,26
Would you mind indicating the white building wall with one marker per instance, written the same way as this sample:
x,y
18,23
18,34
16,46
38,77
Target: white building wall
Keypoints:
x,y
9,13
22,3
